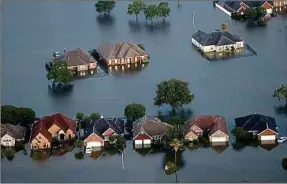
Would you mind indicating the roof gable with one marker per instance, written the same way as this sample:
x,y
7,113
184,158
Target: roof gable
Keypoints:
x,y
15,131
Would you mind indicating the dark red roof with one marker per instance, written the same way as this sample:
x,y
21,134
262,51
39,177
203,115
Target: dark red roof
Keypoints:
x,y
39,127
212,123
141,136
42,125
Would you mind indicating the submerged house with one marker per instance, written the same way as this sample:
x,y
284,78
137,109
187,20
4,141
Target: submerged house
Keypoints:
x,y
148,130
58,127
216,41
215,126
10,134
264,127
79,62
121,53
240,7
98,132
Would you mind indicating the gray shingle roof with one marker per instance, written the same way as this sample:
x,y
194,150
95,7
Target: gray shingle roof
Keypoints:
x,y
235,5
151,126
120,50
17,132
216,37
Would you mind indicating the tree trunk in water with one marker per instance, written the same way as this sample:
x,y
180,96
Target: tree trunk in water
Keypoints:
x,y
137,18
175,157
286,105
176,181
79,122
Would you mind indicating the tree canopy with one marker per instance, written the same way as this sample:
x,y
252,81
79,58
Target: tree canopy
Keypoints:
x,y
119,142
80,116
173,92
17,116
175,120
105,6
255,13
281,93
151,11
224,27
59,72
136,7
94,116
163,10
134,111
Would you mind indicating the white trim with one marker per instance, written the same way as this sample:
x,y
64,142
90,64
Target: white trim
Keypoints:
x,y
267,129
142,133
91,135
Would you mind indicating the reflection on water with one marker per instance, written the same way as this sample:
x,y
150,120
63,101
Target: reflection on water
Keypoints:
x,y
155,27
218,147
129,69
40,155
266,145
152,150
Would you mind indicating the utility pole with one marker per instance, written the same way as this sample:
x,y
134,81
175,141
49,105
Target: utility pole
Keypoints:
x,y
193,20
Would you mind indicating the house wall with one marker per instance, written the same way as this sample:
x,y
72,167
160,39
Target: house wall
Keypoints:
x,y
267,132
7,140
127,60
94,138
141,136
267,7
40,142
190,136
54,129
227,11
69,134
196,129
219,133
92,65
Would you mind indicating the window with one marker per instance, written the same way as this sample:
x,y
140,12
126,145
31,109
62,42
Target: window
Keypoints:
x,y
39,137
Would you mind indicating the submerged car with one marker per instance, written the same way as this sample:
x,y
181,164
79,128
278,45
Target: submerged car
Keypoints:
x,y
282,139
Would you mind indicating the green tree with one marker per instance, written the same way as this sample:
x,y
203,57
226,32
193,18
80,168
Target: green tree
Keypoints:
x,y
172,133
94,116
80,116
134,111
10,114
136,7
175,144
281,93
224,27
141,46
105,6
261,12
163,10
175,120
173,92
59,72
27,115
241,135
251,14
150,12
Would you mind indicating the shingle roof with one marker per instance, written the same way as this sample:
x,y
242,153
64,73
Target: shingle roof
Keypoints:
x,y
76,57
256,122
235,5
211,123
43,124
254,4
103,124
216,37
151,126
120,50
15,131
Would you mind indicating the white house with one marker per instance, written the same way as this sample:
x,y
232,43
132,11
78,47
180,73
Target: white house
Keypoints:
x,y
216,41
11,133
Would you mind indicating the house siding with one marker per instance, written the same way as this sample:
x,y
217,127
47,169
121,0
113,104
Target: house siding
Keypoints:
x,y
7,140
190,136
218,133
266,133
141,136
94,138
40,142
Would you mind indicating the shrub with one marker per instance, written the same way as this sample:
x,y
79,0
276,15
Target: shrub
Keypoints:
x,y
284,163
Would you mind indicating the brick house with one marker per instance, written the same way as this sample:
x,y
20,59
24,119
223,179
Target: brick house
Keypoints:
x,y
148,130
215,125
57,126
121,53
79,62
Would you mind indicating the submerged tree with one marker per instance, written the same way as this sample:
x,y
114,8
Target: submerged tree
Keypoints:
x,y
150,12
136,7
173,92
281,93
163,10
119,143
134,111
224,27
105,6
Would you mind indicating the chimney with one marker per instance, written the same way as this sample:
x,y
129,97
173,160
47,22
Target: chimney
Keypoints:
x,y
78,55
68,57
64,50
102,116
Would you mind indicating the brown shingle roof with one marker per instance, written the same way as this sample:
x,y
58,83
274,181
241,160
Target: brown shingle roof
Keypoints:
x,y
212,123
151,127
120,50
15,131
76,57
